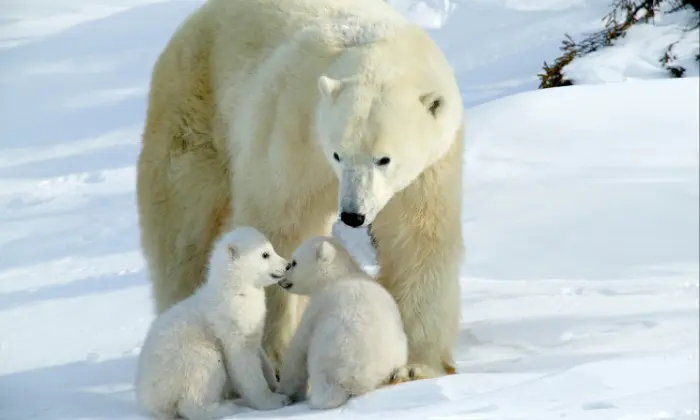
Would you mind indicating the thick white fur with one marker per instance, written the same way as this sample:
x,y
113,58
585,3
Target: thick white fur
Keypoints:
x,y
248,105
350,339
183,365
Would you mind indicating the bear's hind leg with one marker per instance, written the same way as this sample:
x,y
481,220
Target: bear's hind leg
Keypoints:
x,y
178,231
182,181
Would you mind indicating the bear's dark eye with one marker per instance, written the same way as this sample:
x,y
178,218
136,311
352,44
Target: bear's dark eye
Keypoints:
x,y
336,157
294,263
383,161
434,105
265,255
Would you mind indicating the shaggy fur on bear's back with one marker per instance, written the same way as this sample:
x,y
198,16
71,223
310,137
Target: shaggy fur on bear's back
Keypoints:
x,y
278,114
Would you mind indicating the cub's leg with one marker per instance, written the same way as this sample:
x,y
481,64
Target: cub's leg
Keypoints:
x,y
325,393
269,371
246,372
203,383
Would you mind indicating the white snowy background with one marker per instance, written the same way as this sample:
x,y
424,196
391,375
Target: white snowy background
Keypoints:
x,y
580,290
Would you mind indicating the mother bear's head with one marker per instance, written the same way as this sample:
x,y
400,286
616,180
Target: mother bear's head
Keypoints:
x,y
387,110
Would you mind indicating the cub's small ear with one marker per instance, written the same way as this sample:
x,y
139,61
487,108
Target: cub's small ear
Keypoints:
x,y
232,252
433,102
329,87
325,251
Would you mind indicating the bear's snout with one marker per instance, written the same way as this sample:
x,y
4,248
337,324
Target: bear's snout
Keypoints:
x,y
352,219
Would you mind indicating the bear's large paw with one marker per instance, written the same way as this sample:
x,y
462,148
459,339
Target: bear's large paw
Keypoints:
x,y
410,372
449,369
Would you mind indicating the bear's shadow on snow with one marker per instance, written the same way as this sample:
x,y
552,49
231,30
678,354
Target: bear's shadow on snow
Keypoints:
x,y
82,82
74,390
76,288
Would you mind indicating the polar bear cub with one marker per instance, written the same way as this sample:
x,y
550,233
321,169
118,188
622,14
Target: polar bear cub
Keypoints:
x,y
209,345
350,339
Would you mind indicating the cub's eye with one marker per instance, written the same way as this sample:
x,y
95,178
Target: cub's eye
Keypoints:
x,y
265,255
294,263
336,157
383,161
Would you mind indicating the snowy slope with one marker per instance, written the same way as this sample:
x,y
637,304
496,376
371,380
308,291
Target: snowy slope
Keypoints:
x,y
636,55
580,289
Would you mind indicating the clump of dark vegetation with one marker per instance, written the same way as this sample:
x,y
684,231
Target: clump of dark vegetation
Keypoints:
x,y
623,15
666,60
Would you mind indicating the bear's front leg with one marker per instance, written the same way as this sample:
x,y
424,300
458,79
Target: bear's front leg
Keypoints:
x,y
418,239
280,323
294,375
428,297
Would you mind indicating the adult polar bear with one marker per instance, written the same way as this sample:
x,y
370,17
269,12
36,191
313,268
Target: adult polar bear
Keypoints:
x,y
280,115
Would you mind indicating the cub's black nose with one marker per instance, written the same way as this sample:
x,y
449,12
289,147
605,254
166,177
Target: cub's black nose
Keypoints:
x,y
289,265
352,219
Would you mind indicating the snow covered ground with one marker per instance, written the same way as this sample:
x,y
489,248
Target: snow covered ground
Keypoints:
x,y
580,291
636,55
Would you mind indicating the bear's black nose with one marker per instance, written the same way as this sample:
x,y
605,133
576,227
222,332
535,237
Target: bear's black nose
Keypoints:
x,y
352,219
289,265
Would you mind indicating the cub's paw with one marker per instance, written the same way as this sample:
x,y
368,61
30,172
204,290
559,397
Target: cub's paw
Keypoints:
x,y
273,402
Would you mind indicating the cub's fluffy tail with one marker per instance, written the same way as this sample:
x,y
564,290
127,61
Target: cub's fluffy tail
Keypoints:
x,y
410,372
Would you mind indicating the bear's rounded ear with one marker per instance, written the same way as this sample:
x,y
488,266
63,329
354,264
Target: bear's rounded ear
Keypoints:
x,y
232,252
433,102
329,87
325,251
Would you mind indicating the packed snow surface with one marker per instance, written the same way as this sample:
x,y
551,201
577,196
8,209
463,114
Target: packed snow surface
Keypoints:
x,y
580,287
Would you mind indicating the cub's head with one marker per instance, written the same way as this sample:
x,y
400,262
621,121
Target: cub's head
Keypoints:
x,y
317,261
381,122
246,255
